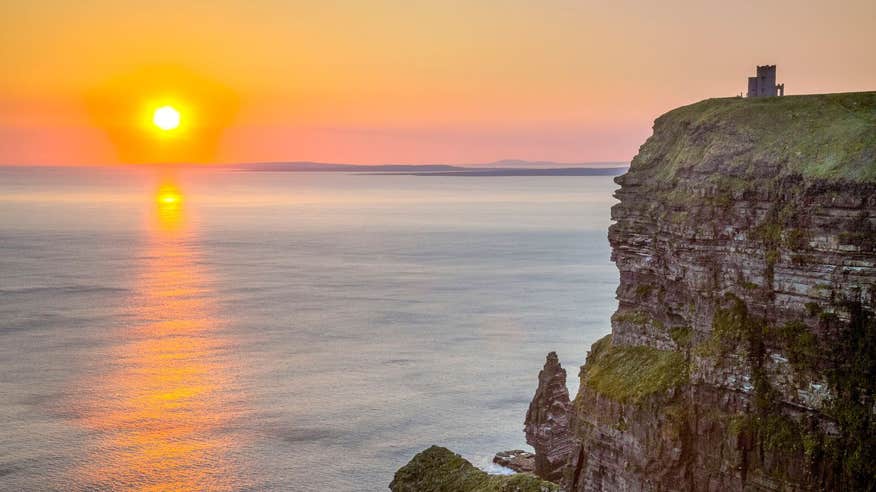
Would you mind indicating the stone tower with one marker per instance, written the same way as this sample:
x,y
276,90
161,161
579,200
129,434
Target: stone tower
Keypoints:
x,y
764,84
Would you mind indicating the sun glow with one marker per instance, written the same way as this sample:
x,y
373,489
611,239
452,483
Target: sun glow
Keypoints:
x,y
163,114
166,118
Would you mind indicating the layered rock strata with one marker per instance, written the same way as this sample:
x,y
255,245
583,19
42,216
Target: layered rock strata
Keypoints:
x,y
547,421
743,351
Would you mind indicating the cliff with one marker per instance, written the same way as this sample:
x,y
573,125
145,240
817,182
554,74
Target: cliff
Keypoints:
x,y
743,350
742,355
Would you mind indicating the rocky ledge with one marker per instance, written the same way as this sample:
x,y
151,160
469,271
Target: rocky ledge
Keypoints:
x,y
438,469
742,355
518,460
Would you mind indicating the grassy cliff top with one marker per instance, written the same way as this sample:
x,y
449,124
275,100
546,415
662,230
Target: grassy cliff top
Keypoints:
x,y
830,136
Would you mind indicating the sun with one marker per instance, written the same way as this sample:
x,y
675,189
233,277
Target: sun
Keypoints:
x,y
166,118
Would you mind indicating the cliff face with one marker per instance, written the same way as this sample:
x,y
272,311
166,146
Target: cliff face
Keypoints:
x,y
742,352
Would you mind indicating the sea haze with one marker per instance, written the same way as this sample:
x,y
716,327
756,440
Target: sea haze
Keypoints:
x,y
295,331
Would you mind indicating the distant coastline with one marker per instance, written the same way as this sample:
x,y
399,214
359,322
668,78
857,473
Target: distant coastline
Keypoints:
x,y
565,171
495,169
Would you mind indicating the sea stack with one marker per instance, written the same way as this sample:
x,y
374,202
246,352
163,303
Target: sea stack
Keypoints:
x,y
547,421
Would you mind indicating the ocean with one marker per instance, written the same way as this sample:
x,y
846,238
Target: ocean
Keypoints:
x,y
176,329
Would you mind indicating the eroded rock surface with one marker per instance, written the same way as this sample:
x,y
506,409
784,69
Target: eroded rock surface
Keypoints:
x,y
517,459
743,352
547,421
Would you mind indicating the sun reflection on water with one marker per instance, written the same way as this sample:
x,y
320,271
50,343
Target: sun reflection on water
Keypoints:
x,y
169,203
162,405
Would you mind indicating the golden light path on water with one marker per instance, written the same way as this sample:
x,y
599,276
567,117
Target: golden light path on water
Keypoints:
x,y
162,408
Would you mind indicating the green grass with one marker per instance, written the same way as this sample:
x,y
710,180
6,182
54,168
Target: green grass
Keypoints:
x,y
681,335
800,344
638,317
831,136
629,374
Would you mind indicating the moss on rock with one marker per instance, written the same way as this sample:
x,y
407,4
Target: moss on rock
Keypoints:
x,y
630,373
640,318
847,358
438,469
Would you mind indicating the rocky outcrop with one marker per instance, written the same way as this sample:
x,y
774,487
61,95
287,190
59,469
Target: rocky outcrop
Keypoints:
x,y
547,421
518,460
438,469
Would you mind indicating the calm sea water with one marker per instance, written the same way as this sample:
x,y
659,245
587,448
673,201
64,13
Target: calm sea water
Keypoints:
x,y
210,329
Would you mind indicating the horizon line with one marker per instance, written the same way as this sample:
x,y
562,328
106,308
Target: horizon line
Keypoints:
x,y
514,162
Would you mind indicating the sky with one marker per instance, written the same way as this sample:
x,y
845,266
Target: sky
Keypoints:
x,y
386,81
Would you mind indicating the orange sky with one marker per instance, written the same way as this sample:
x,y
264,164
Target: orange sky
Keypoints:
x,y
397,81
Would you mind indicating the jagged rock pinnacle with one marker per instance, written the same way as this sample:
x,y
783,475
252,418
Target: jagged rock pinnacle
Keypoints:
x,y
547,421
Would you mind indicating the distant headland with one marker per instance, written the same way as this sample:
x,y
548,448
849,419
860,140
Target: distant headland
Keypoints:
x,y
506,167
